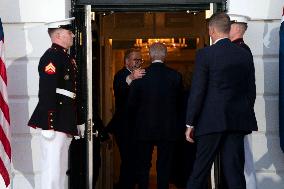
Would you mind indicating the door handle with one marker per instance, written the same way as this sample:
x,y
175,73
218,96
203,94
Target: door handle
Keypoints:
x,y
89,129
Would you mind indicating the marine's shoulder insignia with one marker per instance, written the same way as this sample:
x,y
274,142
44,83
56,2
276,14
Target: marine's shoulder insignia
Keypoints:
x,y
50,69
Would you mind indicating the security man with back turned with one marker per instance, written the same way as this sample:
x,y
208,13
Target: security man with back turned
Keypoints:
x,y
56,112
220,106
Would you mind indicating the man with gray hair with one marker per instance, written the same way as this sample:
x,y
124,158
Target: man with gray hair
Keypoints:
x,y
154,105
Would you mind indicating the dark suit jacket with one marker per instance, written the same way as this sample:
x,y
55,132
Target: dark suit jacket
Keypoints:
x,y
154,103
121,89
223,90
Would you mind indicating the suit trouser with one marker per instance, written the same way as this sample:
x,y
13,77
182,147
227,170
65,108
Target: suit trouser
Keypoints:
x,y
231,148
249,166
78,164
127,175
54,160
163,164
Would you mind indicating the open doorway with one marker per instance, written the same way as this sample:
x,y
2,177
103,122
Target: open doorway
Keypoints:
x,y
182,32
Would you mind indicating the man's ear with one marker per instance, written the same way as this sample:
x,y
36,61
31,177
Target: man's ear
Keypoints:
x,y
236,27
55,35
211,30
58,34
126,62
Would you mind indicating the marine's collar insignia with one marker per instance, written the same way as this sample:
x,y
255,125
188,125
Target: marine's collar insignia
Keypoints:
x,y
50,69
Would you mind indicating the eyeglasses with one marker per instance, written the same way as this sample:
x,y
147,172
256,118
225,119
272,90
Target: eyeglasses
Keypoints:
x,y
137,60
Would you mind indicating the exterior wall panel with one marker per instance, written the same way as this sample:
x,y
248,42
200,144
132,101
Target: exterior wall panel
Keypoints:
x,y
26,39
262,37
257,9
33,10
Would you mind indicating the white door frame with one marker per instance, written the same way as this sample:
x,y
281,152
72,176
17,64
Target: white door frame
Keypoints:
x,y
89,125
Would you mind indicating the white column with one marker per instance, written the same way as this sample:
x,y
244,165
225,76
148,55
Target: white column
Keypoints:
x,y
26,39
262,37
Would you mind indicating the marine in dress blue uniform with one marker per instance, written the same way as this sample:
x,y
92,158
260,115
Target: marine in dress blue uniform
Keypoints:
x,y
238,29
56,111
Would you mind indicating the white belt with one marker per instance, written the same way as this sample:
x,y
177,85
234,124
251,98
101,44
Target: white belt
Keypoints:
x,y
66,93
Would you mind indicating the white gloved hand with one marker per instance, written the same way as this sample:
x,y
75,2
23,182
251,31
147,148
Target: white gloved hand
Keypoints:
x,y
81,130
48,134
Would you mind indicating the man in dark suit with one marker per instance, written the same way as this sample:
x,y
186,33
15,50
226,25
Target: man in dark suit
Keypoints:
x,y
153,109
118,125
221,106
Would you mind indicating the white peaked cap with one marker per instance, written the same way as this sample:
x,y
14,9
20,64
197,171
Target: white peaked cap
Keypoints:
x,y
60,23
239,18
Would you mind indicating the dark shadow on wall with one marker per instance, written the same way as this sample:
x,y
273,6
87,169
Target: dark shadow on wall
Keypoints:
x,y
21,137
272,158
22,158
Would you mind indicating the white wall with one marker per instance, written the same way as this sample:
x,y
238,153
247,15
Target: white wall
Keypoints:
x,y
263,38
33,10
257,9
268,156
26,39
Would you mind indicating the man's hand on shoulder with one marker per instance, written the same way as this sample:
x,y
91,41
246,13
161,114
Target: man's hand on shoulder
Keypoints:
x,y
136,74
